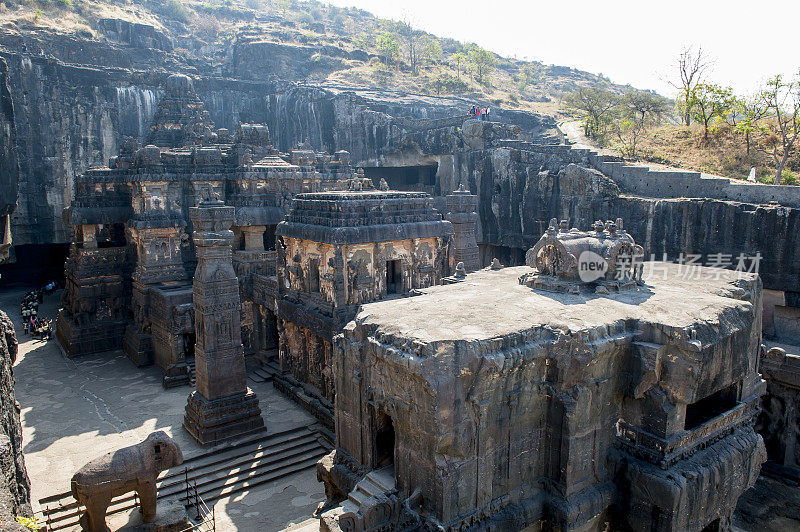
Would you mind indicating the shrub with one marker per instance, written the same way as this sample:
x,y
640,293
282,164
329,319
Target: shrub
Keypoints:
x,y
451,84
789,178
208,27
174,9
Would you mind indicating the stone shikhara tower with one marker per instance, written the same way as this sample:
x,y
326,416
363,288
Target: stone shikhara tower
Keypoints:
x,y
222,406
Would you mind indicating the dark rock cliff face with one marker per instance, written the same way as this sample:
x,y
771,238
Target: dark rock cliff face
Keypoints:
x,y
69,118
14,484
9,166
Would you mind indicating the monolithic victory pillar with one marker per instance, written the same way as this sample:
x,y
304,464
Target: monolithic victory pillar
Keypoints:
x,y
461,206
222,407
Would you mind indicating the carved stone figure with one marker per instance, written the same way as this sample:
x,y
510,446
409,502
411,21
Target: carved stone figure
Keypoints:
x,y
133,468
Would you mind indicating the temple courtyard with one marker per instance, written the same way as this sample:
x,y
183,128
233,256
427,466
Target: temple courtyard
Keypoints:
x,y
74,410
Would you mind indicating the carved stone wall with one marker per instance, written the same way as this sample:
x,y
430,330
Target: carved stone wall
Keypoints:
x,y
343,249
779,422
9,164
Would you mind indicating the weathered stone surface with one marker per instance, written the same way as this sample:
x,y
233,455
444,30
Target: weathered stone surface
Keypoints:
x,y
461,206
133,468
9,166
15,486
780,420
490,386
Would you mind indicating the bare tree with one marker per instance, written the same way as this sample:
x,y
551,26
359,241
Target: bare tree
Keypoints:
x,y
691,67
411,37
781,129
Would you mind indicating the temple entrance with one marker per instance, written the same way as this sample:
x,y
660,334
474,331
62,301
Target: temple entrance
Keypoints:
x,y
392,276
267,330
188,345
384,440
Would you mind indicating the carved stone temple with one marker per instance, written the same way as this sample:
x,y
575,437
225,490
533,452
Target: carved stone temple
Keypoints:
x,y
222,407
499,402
130,267
581,390
342,249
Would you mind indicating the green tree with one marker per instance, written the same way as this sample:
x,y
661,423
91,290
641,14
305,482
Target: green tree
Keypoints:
x,y
482,62
633,113
780,130
430,50
459,58
389,47
749,113
595,106
709,102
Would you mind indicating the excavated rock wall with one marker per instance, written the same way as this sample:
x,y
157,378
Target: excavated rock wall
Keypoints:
x,y
70,118
15,487
520,191
9,166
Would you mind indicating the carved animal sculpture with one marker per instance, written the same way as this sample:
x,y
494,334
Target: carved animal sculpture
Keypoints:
x,y
133,468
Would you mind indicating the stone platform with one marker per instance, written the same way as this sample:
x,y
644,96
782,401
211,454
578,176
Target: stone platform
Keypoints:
x,y
212,422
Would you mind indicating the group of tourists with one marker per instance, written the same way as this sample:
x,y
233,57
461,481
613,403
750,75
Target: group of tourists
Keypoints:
x,y
33,324
480,113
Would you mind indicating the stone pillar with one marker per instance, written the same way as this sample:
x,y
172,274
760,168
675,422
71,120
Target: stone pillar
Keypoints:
x,y
222,407
461,213
254,237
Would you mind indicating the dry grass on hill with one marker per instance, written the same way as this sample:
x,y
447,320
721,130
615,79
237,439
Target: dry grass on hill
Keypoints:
x,y
723,154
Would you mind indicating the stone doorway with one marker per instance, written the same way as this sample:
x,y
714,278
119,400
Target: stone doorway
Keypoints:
x,y
393,277
384,440
188,346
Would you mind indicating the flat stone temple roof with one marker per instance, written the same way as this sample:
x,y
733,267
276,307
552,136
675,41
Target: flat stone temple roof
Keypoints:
x,y
346,217
492,304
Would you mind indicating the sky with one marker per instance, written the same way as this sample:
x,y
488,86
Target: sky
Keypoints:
x,y
631,42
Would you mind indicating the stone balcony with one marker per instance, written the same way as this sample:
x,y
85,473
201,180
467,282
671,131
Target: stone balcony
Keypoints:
x,y
664,452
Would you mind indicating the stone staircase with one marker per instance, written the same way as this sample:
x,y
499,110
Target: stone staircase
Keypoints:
x,y
214,473
368,491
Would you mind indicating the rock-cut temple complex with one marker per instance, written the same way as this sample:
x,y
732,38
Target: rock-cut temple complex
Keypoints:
x,y
458,395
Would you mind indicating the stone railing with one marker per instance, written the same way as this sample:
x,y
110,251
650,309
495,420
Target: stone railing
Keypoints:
x,y
665,452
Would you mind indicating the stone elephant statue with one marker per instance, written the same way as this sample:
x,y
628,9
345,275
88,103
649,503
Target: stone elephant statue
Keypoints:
x,y
133,468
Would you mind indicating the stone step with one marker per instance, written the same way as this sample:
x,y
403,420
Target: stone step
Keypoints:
x,y
349,506
358,497
384,478
371,487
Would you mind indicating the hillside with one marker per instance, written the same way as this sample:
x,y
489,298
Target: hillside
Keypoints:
x,y
298,41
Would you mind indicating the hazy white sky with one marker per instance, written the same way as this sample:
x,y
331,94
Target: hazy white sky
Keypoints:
x,y
634,42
